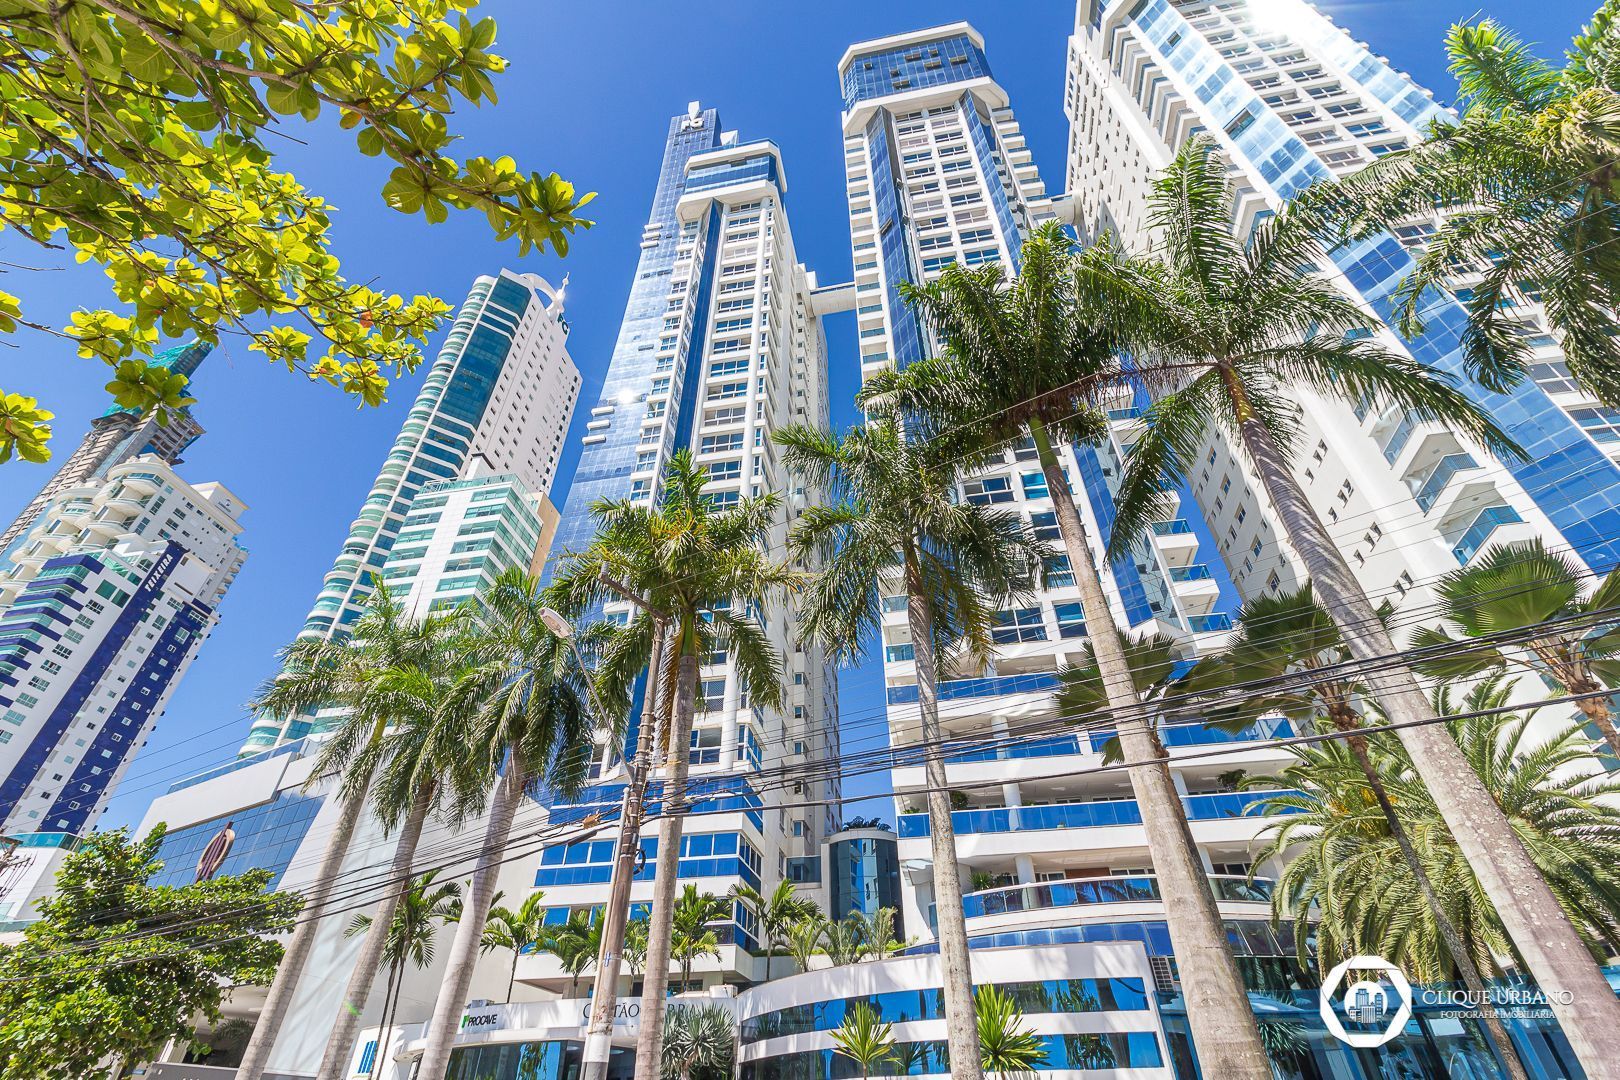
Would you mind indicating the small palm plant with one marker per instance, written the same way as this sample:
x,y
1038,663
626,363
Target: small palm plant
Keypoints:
x,y
844,940
865,1039
693,936
1008,1047
517,931
773,914
424,906
1521,587
635,946
805,937
877,934
699,1043
576,944
1530,165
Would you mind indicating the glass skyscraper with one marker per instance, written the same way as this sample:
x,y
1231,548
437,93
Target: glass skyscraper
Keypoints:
x,y
498,399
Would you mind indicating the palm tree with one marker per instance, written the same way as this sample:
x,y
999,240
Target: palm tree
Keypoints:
x,y
410,937
576,945
1021,357
1009,1048
1518,587
804,938
894,514
699,1043
843,940
520,715
1289,634
693,936
319,674
520,931
691,561
420,774
876,933
773,914
864,1039
1345,867
1242,323
635,946
1531,166
1154,662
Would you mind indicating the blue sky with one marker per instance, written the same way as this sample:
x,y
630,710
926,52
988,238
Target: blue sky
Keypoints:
x,y
588,93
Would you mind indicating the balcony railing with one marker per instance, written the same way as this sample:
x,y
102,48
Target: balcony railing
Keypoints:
x,y
1449,466
1486,523
1195,572
1204,624
991,686
1103,890
1057,746
1271,727
1399,438
1083,815
1174,527
899,654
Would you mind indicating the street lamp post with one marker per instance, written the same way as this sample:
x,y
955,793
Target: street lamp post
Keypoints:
x,y
604,995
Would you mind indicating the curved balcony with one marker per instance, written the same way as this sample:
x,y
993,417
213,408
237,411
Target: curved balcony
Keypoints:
x,y
1486,522
1085,892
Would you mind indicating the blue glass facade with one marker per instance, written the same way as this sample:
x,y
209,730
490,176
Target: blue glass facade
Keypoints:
x,y
905,329
1563,471
893,71
267,838
863,874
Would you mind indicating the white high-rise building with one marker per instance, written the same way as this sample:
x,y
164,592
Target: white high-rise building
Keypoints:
x,y
938,174
1291,99
720,347
102,609
497,400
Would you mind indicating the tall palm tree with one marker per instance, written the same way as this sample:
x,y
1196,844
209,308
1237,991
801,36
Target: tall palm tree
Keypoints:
x,y
703,567
1242,322
412,929
420,774
864,1039
517,931
1021,357
894,525
1289,634
1009,1048
693,936
773,914
699,1043
1344,865
1533,166
1520,587
576,945
319,674
520,714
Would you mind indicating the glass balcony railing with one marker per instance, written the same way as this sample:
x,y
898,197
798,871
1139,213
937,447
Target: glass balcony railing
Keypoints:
x,y
1130,413
1084,815
1175,527
1105,890
1205,624
1399,438
1449,466
991,686
1271,727
899,654
1195,572
1486,523
1056,746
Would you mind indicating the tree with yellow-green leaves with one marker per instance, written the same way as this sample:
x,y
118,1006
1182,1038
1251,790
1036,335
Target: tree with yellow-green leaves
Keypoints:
x,y
135,133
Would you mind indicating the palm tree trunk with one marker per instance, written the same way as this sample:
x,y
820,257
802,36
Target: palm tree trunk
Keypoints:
x,y
274,1014
1461,957
1596,711
511,976
660,921
1553,953
458,973
382,1030
956,971
605,995
1223,1027
340,1044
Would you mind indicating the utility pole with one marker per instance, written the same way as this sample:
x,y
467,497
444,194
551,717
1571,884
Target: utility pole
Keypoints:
x,y
605,992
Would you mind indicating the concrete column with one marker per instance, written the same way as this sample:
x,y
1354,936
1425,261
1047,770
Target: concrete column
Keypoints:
x,y
1025,868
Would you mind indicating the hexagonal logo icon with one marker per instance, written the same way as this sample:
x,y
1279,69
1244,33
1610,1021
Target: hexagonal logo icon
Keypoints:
x,y
1366,1001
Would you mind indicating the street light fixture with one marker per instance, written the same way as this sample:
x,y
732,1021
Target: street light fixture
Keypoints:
x,y
557,624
